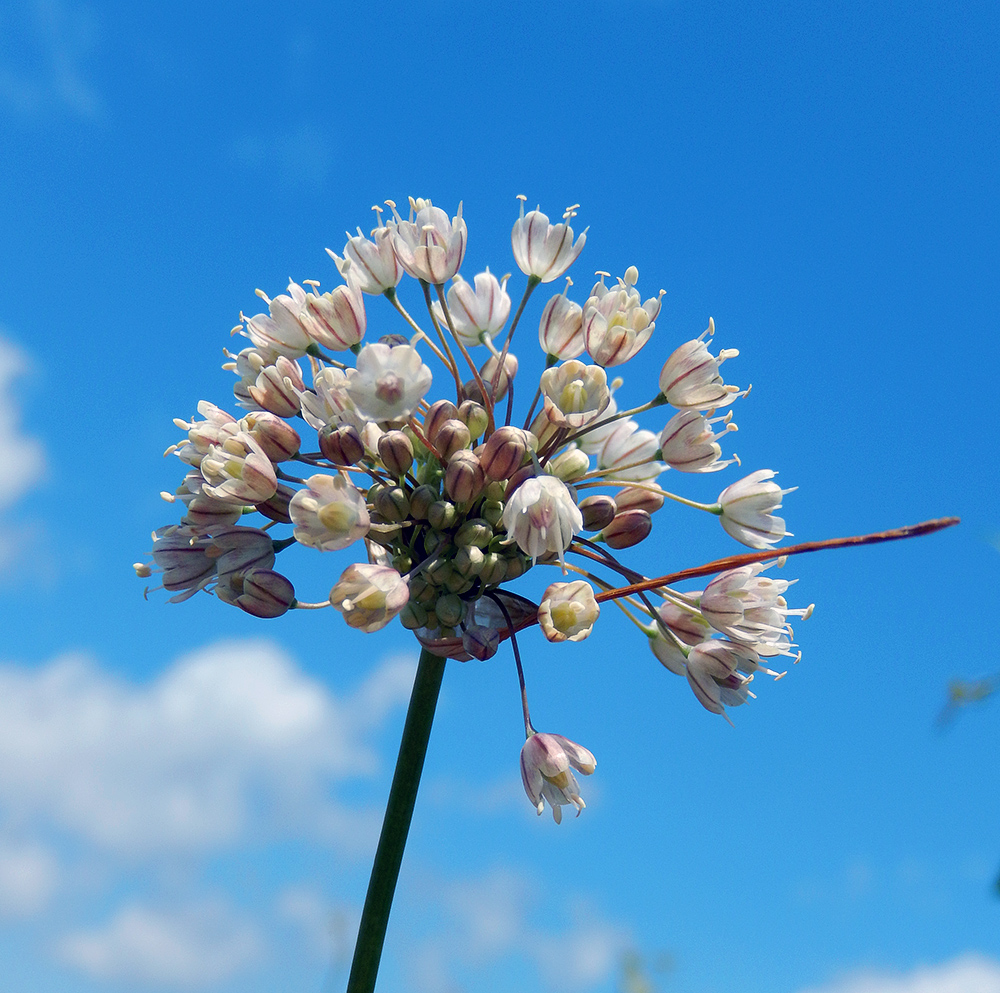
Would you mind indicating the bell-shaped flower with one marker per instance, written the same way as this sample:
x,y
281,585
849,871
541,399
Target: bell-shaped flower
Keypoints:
x,y
388,382
542,249
745,509
575,394
690,377
476,314
282,331
373,262
547,761
568,611
684,626
238,550
629,453
202,435
369,596
265,593
542,516
238,470
330,513
428,245
615,323
328,402
688,443
336,320
560,330
714,673
596,434
182,555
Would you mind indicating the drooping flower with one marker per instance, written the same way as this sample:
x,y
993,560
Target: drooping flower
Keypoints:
x,y
568,611
546,761
542,517
545,250
330,513
369,596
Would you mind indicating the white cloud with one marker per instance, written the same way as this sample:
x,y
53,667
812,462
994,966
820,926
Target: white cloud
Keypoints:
x,y
198,945
231,742
971,973
42,68
28,876
22,460
497,915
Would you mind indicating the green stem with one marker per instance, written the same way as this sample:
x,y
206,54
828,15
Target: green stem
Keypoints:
x,y
396,825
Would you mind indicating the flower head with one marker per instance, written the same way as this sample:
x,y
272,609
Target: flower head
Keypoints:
x,y
545,771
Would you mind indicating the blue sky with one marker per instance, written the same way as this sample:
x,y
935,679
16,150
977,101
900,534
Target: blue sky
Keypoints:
x,y
189,796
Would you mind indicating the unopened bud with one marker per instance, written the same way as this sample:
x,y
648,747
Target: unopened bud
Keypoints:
x,y
469,560
494,569
474,532
441,515
504,452
492,511
265,593
451,437
277,386
525,472
459,584
279,440
598,512
544,429
475,417
464,479
277,506
392,504
413,615
570,465
627,529
517,566
420,502
341,444
441,411
487,373
396,452
450,609
635,498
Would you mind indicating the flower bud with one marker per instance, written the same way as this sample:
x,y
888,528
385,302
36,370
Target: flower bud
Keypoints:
x,y
452,436
523,474
474,532
469,561
420,502
266,593
635,498
475,417
598,512
277,507
464,479
627,529
494,569
503,453
396,452
392,504
441,515
487,374
570,465
492,511
450,610
341,444
278,439
459,584
441,411
413,615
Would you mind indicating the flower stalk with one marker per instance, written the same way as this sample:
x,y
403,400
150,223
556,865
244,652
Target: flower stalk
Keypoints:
x,y
396,824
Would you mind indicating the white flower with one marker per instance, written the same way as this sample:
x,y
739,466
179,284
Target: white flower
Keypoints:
x,y
336,320
329,514
428,245
182,554
542,516
373,263
388,382
282,332
575,394
688,444
746,507
690,377
545,771
328,402
615,324
560,330
542,249
238,550
687,626
568,611
476,314
712,673
626,445
239,471
369,596
202,435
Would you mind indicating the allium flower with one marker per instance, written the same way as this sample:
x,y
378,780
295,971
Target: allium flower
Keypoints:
x,y
388,382
476,314
629,453
542,517
568,611
238,470
369,596
282,331
685,626
329,514
373,263
266,593
690,377
336,320
428,245
560,330
688,444
746,507
615,324
545,771
182,555
575,394
712,673
545,250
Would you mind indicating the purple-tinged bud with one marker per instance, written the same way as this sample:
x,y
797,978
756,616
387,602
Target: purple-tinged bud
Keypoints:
x,y
277,507
341,444
503,453
441,411
452,436
598,512
627,529
464,478
392,340
266,593
488,372
636,498
521,476
396,452
475,417
278,439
